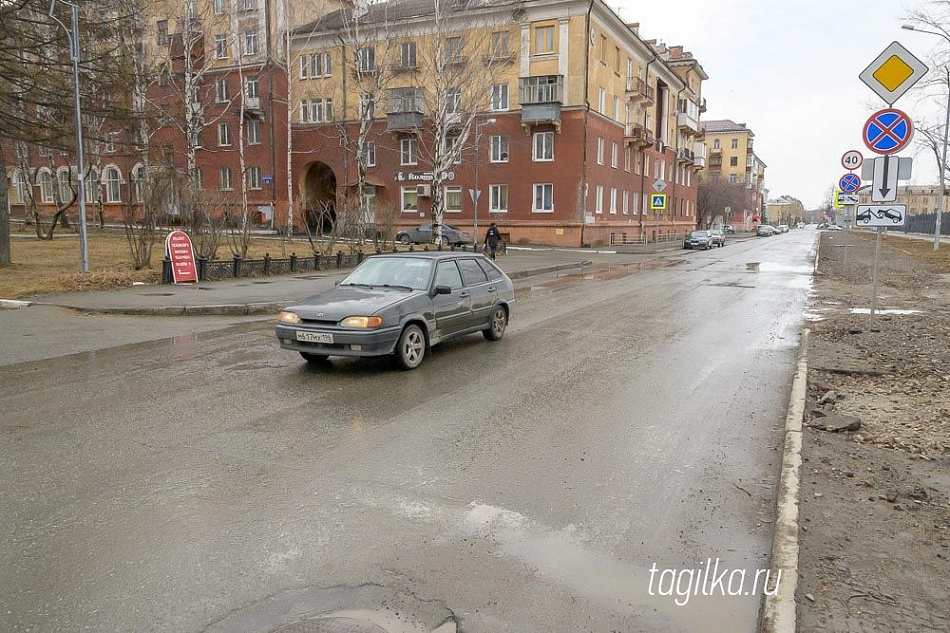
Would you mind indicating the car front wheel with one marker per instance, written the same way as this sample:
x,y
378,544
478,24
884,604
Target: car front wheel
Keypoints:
x,y
497,325
403,239
411,348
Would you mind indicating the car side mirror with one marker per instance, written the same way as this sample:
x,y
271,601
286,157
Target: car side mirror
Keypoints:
x,y
443,290
336,283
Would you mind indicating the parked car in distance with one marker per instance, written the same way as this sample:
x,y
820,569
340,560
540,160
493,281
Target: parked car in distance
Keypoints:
x,y
702,239
834,227
718,237
782,228
731,230
401,305
765,230
422,234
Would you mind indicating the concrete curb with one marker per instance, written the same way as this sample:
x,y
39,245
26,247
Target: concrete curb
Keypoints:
x,y
779,613
267,307
14,304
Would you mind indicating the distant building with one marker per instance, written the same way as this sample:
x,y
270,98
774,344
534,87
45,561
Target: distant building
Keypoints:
x,y
732,156
784,210
920,199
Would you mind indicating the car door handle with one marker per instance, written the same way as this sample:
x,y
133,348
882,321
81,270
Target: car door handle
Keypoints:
x,y
463,294
491,289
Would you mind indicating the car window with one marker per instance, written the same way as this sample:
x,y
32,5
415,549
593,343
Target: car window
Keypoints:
x,y
447,274
425,227
413,272
472,273
490,269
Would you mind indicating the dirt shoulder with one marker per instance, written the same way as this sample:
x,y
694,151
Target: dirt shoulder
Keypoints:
x,y
875,499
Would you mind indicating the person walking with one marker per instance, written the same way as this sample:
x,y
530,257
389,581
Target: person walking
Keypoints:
x,y
492,237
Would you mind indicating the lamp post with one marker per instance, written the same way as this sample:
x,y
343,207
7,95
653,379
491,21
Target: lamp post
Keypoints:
x,y
478,194
73,34
946,129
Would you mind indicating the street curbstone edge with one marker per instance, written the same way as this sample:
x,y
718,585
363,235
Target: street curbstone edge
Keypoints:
x,y
14,304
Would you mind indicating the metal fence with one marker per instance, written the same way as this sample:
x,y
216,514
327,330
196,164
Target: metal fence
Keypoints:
x,y
925,224
237,267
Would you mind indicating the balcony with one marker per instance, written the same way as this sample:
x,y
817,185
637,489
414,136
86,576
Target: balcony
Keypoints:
x,y
498,58
637,90
685,156
702,106
687,124
252,107
638,136
541,98
699,155
405,113
405,67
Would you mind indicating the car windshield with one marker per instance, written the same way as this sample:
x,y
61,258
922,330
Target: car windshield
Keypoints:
x,y
698,234
406,272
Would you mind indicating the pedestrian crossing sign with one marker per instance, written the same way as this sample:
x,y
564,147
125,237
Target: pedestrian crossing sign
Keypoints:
x,y
658,201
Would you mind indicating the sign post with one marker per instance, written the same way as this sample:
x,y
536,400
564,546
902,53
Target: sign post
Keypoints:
x,y
179,250
877,262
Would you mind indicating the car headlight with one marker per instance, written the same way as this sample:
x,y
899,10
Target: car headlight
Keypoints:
x,y
365,322
291,318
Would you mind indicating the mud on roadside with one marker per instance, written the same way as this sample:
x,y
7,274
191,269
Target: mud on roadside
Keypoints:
x,y
875,498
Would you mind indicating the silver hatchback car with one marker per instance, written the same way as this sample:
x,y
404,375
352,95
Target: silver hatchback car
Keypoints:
x,y
400,305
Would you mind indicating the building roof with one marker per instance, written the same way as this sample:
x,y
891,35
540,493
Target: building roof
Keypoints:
x,y
393,10
722,126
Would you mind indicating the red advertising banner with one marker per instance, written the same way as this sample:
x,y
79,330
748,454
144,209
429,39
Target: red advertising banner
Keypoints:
x,y
179,250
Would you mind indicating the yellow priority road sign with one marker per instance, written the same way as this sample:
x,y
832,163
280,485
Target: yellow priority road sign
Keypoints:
x,y
657,201
893,73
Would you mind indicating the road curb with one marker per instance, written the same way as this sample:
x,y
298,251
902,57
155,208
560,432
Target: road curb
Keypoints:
x,y
13,304
264,307
778,605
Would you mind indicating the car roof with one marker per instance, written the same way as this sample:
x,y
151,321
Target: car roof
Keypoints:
x,y
430,254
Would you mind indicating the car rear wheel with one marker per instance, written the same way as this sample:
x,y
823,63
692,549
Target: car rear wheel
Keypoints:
x,y
411,348
497,325
403,239
314,358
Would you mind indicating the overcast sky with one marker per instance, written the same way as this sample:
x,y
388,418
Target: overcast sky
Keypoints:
x,y
789,70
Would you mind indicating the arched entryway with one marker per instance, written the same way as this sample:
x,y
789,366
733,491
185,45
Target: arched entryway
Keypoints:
x,y
319,195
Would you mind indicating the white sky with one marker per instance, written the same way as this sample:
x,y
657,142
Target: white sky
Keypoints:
x,y
789,70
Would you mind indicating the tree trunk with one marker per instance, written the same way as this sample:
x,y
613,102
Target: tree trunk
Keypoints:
x,y
5,255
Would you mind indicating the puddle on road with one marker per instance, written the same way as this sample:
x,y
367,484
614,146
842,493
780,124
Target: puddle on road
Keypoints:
x,y
769,267
885,311
606,272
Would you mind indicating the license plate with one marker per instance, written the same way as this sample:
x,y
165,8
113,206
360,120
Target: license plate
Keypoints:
x,y
315,337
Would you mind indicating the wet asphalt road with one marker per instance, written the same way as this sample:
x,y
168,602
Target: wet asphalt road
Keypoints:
x,y
213,481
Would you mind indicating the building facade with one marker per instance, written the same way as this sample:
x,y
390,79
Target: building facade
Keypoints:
x,y
580,118
784,210
920,199
732,156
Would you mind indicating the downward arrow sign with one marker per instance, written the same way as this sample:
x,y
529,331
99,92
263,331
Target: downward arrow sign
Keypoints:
x,y
884,188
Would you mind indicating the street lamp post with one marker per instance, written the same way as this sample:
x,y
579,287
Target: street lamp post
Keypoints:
x,y
73,34
946,130
478,194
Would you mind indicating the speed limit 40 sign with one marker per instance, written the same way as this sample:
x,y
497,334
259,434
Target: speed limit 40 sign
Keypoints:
x,y
852,160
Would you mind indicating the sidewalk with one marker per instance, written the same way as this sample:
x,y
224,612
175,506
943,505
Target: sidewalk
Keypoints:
x,y
267,295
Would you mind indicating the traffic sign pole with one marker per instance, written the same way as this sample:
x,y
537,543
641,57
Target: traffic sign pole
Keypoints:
x,y
877,264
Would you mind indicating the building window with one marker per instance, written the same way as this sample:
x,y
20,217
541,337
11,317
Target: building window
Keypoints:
x,y
321,110
410,200
499,44
19,187
603,48
600,151
252,87
716,144
614,151
221,90
46,187
367,107
733,178
733,161
626,202
735,143
599,200
110,142
617,109
366,59
627,156
224,135
498,198
453,147
453,49
453,100
316,65
453,199
199,178
613,201
543,40
602,101
162,32
220,47
369,154
407,57
224,176
408,151
113,185
544,198
250,42
65,188
253,132
499,97
544,146
92,185
219,7
253,177
499,149
250,5
138,183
